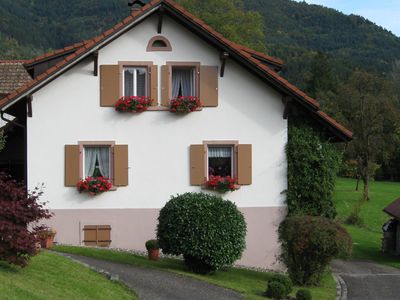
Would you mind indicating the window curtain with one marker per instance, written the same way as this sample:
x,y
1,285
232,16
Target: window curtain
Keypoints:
x,y
90,161
217,152
103,158
141,82
128,81
101,155
182,80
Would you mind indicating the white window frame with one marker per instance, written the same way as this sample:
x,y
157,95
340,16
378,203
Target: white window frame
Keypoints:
x,y
135,79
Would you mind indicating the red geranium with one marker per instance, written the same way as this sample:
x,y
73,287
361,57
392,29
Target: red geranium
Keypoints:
x,y
94,185
222,184
184,104
132,104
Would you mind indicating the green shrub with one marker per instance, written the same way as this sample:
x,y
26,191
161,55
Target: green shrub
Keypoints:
x,y
207,230
276,290
303,294
309,244
152,245
284,280
312,166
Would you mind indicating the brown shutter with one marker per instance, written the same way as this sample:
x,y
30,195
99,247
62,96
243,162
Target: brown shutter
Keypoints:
x,y
72,175
154,84
209,85
97,235
121,165
244,162
197,164
165,82
109,84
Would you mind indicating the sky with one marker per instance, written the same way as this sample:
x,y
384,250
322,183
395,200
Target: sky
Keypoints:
x,y
385,13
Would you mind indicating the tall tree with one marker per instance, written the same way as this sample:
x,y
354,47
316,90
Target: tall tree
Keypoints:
x,y
368,107
230,19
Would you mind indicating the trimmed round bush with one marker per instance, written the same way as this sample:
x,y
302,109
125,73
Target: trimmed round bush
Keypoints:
x,y
309,244
276,290
285,280
208,231
303,294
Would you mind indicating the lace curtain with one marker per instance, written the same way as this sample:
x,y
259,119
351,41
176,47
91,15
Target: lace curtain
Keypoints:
x,y
182,82
97,156
218,152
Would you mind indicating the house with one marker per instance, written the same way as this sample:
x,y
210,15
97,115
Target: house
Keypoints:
x,y
69,128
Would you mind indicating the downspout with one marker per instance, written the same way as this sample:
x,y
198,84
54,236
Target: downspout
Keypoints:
x,y
25,145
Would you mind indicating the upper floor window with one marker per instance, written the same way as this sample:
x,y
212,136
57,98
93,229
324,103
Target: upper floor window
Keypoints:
x,y
135,81
184,81
159,43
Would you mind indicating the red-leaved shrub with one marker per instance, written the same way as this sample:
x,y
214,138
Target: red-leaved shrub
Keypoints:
x,y
19,211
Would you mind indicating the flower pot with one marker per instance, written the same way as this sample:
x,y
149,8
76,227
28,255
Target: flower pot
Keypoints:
x,y
47,242
154,254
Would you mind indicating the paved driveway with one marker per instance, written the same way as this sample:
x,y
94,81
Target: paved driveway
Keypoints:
x,y
367,280
158,285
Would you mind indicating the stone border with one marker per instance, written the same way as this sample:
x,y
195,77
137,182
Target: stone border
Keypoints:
x,y
341,287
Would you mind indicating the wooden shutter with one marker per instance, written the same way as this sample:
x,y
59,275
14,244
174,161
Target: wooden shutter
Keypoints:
x,y
244,164
97,235
154,84
121,165
109,84
197,164
71,165
165,84
209,85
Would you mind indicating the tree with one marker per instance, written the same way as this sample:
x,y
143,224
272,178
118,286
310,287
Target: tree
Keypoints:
x,y
20,210
230,18
368,108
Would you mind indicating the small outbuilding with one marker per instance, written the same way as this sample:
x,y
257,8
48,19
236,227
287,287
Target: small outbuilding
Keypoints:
x,y
391,229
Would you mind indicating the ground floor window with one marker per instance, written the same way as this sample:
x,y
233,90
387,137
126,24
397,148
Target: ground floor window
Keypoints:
x,y
97,161
220,161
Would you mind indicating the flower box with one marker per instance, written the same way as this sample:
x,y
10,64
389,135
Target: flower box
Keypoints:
x,y
94,185
132,104
184,104
222,184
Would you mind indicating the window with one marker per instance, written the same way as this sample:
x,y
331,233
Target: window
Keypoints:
x,y
97,235
97,161
159,43
183,81
135,81
220,161
220,158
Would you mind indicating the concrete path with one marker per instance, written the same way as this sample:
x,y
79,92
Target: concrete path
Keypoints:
x,y
366,280
158,285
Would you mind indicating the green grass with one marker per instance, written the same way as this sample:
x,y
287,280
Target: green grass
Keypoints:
x,y
367,239
51,276
247,282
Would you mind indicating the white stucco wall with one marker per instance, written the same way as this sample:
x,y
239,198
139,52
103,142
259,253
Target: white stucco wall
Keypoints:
x,y
67,111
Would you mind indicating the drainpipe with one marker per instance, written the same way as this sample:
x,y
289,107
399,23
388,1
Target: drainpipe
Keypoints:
x,y
25,145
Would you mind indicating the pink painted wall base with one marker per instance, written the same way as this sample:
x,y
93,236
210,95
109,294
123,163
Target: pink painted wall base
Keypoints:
x,y
131,228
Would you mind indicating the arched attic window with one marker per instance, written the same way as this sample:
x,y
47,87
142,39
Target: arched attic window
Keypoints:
x,y
158,43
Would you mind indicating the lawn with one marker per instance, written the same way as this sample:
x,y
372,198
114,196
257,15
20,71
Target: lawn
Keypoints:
x,y
51,276
247,282
367,239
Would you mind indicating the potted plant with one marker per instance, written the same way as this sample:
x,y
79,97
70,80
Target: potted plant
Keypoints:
x,y
184,104
46,238
94,185
222,184
153,249
134,104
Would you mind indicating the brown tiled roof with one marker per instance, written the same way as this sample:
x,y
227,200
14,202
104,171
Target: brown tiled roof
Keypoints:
x,y
13,75
393,209
244,53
